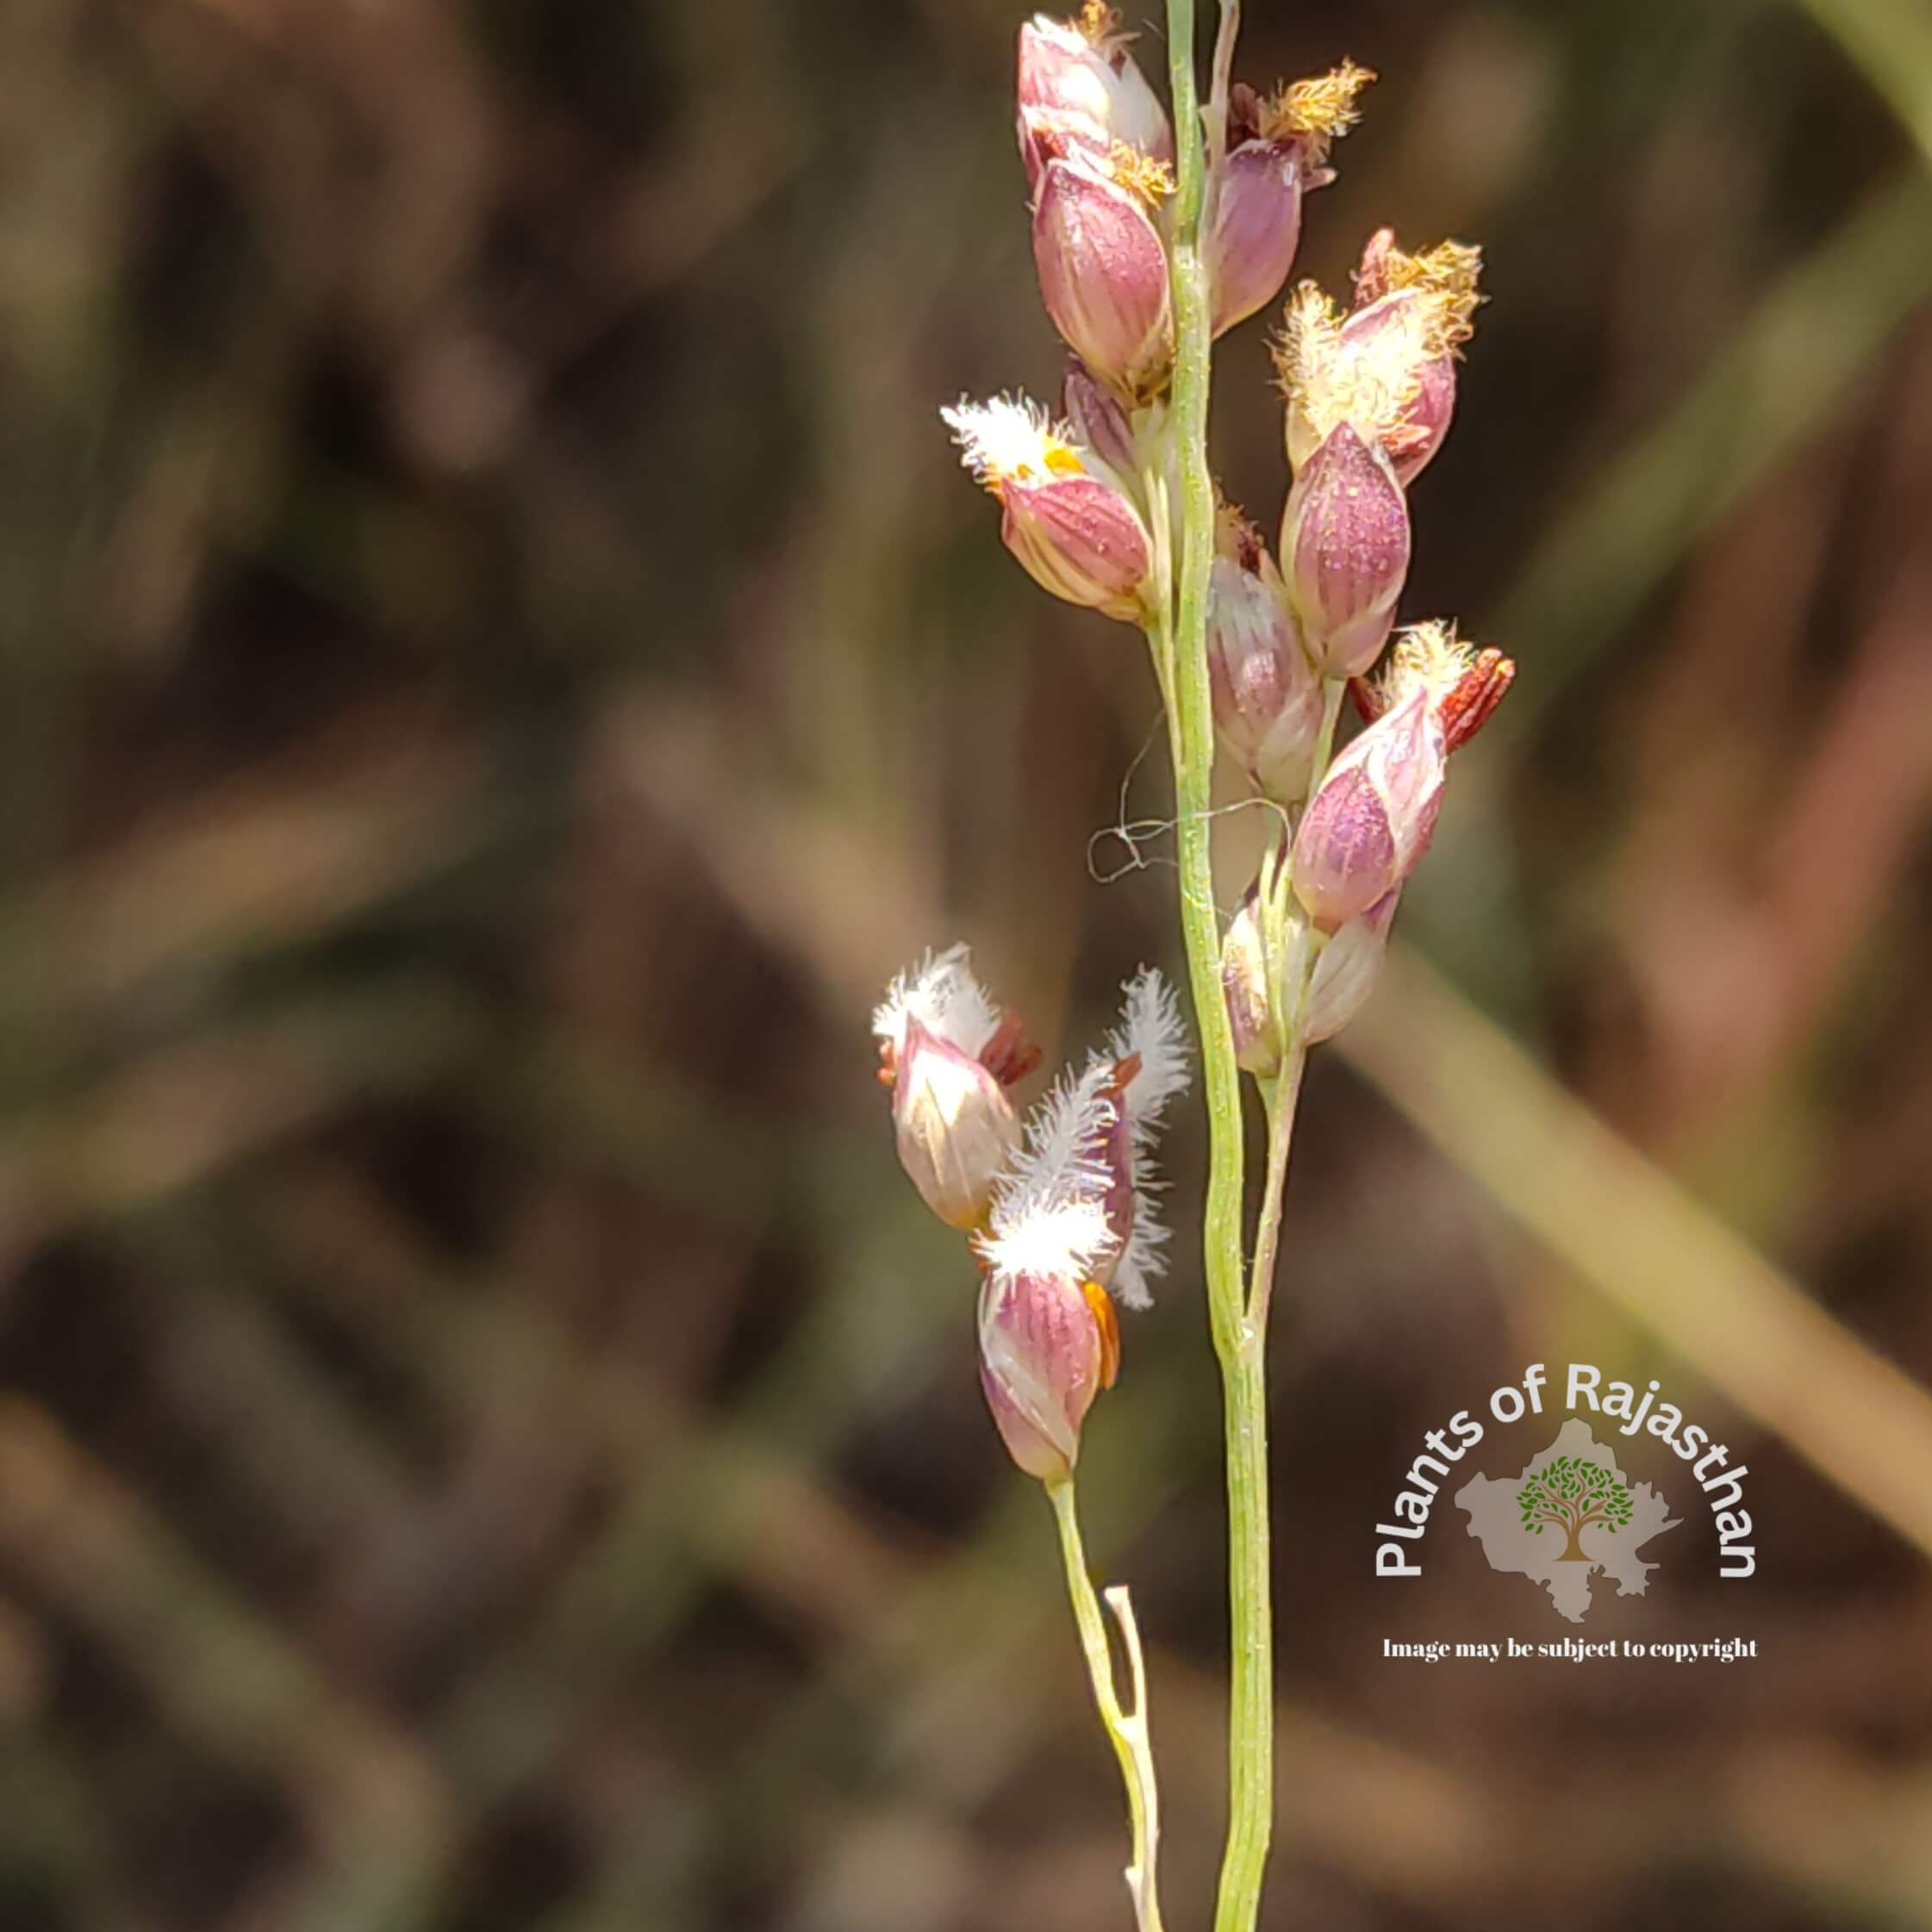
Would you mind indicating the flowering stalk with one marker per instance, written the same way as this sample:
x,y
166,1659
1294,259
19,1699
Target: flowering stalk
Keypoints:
x,y
1151,236
1061,1216
1126,1730
1239,1342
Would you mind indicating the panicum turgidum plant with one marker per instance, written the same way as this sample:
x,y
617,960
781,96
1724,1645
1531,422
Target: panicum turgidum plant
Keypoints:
x,y
1152,234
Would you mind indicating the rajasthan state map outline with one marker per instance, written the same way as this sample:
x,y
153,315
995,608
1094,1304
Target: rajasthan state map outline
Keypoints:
x,y
1562,1558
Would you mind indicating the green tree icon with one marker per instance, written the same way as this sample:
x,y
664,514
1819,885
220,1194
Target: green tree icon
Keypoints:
x,y
1573,1493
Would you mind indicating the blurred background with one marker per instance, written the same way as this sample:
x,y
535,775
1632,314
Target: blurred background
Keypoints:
x,y
502,665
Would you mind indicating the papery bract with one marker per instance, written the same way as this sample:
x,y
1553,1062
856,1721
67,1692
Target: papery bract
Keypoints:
x,y
1103,273
1079,87
1081,539
1276,151
947,1053
1073,527
1345,550
956,1128
1249,247
1098,421
1268,698
1047,1347
1247,987
1346,973
1371,818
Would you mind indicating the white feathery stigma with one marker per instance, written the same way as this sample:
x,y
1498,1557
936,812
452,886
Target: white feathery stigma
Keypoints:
x,y
943,995
1062,1160
1049,1210
1008,439
1063,1237
1150,1027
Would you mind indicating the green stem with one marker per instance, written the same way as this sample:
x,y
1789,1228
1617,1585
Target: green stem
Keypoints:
x,y
1127,1730
1280,1097
1250,1623
1237,1343
1191,718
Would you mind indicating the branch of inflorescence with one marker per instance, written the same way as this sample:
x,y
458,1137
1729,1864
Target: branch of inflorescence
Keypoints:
x,y
1126,1727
